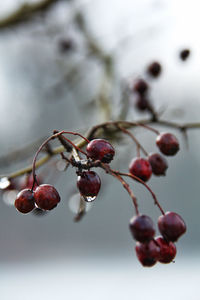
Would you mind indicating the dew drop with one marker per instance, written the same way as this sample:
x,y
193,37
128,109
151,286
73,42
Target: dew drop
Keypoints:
x,y
4,183
89,198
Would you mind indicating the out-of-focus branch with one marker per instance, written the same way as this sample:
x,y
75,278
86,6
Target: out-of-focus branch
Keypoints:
x,y
25,12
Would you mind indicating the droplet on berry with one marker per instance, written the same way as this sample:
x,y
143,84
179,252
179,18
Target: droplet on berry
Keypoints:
x,y
142,228
158,164
46,197
140,86
154,69
184,54
171,226
147,253
167,250
167,143
100,149
141,168
89,185
25,201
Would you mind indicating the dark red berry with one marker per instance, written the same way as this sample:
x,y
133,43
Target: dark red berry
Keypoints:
x,y
184,54
100,149
154,69
66,45
46,197
25,201
171,226
167,143
142,228
142,103
141,168
147,253
158,164
140,86
167,250
89,184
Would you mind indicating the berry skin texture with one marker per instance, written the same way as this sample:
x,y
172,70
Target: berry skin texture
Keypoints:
x,y
167,250
141,168
184,54
140,87
89,184
167,143
148,254
100,149
25,201
171,226
154,69
46,197
142,228
158,164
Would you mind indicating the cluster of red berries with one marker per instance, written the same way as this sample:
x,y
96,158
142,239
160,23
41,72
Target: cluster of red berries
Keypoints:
x,y
162,249
100,152
155,163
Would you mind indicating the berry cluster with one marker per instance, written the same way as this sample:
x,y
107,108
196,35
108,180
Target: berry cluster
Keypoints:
x,y
98,154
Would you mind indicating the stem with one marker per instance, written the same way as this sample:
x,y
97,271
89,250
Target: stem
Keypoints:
x,y
147,187
124,183
139,146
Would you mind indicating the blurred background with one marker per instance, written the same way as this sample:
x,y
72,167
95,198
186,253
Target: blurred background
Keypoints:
x,y
64,66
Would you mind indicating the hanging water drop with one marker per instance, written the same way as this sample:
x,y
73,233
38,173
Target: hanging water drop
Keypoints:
x,y
89,198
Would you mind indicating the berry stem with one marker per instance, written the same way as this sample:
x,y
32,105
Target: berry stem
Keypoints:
x,y
147,187
139,146
124,183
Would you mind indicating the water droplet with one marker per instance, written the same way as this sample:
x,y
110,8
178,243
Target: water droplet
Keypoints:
x,y
74,203
4,183
89,198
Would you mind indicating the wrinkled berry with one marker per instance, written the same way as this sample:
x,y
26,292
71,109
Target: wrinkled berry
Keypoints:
x,y
148,253
167,250
158,164
142,228
46,197
167,143
88,184
171,226
25,201
100,149
141,168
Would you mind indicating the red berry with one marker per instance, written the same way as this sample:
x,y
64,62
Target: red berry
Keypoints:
x,y
154,69
158,164
25,201
100,149
167,250
147,253
140,86
141,168
142,228
142,103
46,197
89,184
167,143
171,226
184,54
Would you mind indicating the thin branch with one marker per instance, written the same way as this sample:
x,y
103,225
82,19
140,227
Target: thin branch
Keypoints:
x,y
25,12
